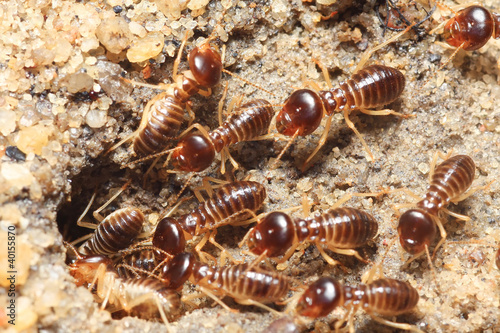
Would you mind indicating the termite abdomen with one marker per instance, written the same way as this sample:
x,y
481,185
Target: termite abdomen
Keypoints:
x,y
116,232
373,86
164,124
231,201
252,121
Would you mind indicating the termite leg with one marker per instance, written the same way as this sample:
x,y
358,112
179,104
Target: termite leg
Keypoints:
x,y
321,142
96,212
401,326
347,252
330,260
352,127
371,51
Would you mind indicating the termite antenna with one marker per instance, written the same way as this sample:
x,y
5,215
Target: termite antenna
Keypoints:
x,y
289,143
371,51
71,247
162,153
248,82
183,188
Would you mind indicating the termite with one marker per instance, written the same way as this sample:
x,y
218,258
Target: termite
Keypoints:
x,y
164,114
231,203
196,151
449,182
372,86
470,29
247,284
115,232
386,297
148,294
339,230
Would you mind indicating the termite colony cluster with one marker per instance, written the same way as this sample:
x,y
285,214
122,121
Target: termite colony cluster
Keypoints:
x,y
138,264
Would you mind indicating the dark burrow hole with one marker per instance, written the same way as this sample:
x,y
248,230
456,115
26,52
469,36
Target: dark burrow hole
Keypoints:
x,y
95,178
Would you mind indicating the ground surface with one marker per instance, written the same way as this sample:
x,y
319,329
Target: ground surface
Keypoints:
x,y
63,104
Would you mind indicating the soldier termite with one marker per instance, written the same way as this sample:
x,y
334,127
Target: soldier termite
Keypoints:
x,y
231,203
470,29
370,87
340,230
247,284
449,182
196,152
164,114
386,297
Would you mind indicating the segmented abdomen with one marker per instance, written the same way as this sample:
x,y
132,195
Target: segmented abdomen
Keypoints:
x,y
149,289
452,178
342,228
143,259
242,283
166,117
251,120
116,232
231,202
372,86
390,297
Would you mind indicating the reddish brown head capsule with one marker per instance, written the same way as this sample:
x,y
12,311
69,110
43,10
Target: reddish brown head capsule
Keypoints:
x,y
178,270
472,27
302,112
387,297
321,298
497,258
195,154
206,65
416,230
169,236
274,234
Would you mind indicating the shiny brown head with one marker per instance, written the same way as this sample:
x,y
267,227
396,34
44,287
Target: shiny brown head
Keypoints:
x,y
274,234
416,230
195,153
169,236
178,270
473,26
302,112
321,298
206,65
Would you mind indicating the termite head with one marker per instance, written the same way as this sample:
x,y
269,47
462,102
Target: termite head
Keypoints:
x,y
302,112
321,298
178,270
274,234
84,269
497,258
473,26
416,230
206,65
169,236
194,153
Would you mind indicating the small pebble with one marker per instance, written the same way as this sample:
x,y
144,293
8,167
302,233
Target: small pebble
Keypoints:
x,y
7,122
14,153
96,118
